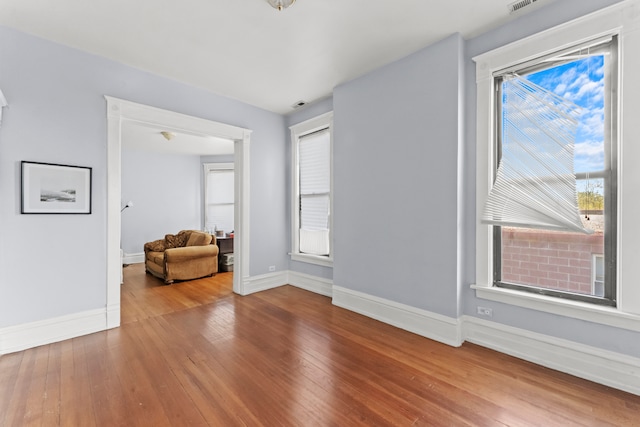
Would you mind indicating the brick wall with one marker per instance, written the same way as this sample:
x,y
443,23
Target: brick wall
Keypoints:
x,y
549,259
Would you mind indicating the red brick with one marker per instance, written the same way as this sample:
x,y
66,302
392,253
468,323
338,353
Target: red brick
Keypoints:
x,y
548,253
559,245
580,247
558,261
539,259
570,254
580,263
522,271
568,270
529,265
529,280
559,276
539,245
548,283
548,267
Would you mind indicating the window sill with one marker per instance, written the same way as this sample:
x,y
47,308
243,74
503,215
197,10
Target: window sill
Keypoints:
x,y
312,259
578,310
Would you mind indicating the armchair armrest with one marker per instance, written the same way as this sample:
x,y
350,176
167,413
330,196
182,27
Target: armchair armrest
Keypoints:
x,y
190,252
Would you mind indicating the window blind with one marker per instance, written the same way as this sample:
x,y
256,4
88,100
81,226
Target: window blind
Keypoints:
x,y
314,160
219,208
535,185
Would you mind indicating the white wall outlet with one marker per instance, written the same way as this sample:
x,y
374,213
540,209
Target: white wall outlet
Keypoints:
x,y
485,311
272,268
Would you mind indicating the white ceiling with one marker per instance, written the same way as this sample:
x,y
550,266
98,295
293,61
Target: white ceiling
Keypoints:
x,y
246,50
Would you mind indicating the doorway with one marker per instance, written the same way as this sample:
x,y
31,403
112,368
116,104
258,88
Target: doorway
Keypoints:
x,y
121,111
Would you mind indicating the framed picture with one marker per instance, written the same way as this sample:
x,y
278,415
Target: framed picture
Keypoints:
x,y
55,189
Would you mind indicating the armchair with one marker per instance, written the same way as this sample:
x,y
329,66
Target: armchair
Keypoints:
x,y
188,255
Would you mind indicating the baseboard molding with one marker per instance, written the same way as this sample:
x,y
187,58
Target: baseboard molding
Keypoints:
x,y
318,285
263,282
113,316
601,366
34,334
136,258
421,322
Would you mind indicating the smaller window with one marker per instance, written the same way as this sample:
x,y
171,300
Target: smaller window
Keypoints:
x,y
312,190
219,200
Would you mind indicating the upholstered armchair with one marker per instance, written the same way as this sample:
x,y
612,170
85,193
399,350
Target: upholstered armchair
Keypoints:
x,y
188,255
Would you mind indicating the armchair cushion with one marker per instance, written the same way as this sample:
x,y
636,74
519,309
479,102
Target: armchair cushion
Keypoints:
x,y
198,238
179,240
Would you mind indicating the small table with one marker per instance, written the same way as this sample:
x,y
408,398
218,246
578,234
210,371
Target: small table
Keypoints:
x,y
225,246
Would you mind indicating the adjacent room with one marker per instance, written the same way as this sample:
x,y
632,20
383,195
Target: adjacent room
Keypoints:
x,y
316,212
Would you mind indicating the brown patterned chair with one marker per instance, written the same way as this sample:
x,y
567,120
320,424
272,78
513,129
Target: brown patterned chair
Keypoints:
x,y
188,255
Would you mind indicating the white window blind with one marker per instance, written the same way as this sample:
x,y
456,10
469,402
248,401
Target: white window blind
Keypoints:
x,y
219,207
314,159
535,185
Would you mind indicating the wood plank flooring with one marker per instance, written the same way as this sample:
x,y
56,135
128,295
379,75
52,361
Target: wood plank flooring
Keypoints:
x,y
195,354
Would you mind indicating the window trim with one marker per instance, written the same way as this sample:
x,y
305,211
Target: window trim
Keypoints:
x,y
622,20
608,44
324,121
207,167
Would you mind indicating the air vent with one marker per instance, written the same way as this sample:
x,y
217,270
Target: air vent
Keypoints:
x,y
519,5
298,104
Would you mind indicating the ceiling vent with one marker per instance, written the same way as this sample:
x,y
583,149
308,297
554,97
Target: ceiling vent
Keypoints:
x,y
517,6
298,104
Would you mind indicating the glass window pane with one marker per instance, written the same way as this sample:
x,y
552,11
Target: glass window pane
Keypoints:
x,y
550,259
581,82
314,213
568,261
220,186
315,163
220,217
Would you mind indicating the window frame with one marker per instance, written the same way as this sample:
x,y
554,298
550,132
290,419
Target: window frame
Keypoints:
x,y
609,45
207,167
622,20
300,130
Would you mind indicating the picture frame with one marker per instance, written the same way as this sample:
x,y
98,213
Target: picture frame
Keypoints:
x,y
49,188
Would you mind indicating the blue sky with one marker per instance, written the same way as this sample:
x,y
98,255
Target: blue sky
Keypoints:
x,y
581,82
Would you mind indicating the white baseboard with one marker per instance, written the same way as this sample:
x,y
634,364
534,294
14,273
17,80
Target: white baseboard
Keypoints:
x,y
263,282
318,285
430,325
136,258
594,364
34,334
601,366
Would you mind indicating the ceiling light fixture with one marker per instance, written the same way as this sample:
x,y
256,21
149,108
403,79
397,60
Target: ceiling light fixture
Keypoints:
x,y
167,135
281,4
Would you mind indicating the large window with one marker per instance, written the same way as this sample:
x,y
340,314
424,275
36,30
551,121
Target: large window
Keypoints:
x,y
553,203
219,197
311,201
580,258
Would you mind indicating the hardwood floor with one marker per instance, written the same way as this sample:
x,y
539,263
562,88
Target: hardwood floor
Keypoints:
x,y
195,354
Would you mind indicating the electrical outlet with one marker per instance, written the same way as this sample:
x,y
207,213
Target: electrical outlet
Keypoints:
x,y
485,311
272,268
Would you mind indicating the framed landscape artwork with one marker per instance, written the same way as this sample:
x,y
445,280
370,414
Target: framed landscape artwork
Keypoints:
x,y
55,189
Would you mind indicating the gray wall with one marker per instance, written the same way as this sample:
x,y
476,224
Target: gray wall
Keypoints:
x,y
396,143
166,194
398,160
54,265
